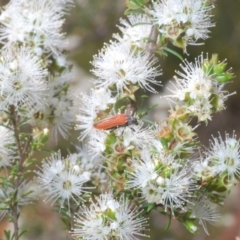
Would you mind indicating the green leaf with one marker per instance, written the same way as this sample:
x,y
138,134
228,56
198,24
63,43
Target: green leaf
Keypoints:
x,y
133,11
139,3
21,233
164,142
143,113
148,121
148,207
173,53
7,234
153,106
168,223
132,97
144,96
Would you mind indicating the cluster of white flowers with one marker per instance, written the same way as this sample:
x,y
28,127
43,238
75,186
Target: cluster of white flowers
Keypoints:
x,y
153,165
222,158
22,79
35,23
124,65
107,218
190,19
199,89
119,66
36,77
135,30
61,108
93,164
162,180
156,162
62,179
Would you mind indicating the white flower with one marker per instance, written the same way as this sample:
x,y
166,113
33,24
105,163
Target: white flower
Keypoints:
x,y
92,106
170,187
61,108
91,164
107,218
202,109
7,147
197,87
37,23
191,15
88,162
96,142
136,30
50,168
60,180
65,186
205,211
203,169
143,172
136,136
193,81
61,112
225,156
118,65
22,79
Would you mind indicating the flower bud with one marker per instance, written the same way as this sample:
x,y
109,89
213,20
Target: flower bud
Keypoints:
x,y
220,68
190,225
183,132
225,77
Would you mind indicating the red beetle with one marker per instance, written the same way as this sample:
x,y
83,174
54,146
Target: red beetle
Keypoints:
x,y
115,121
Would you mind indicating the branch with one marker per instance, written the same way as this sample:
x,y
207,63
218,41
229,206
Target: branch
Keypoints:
x,y
151,45
22,151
